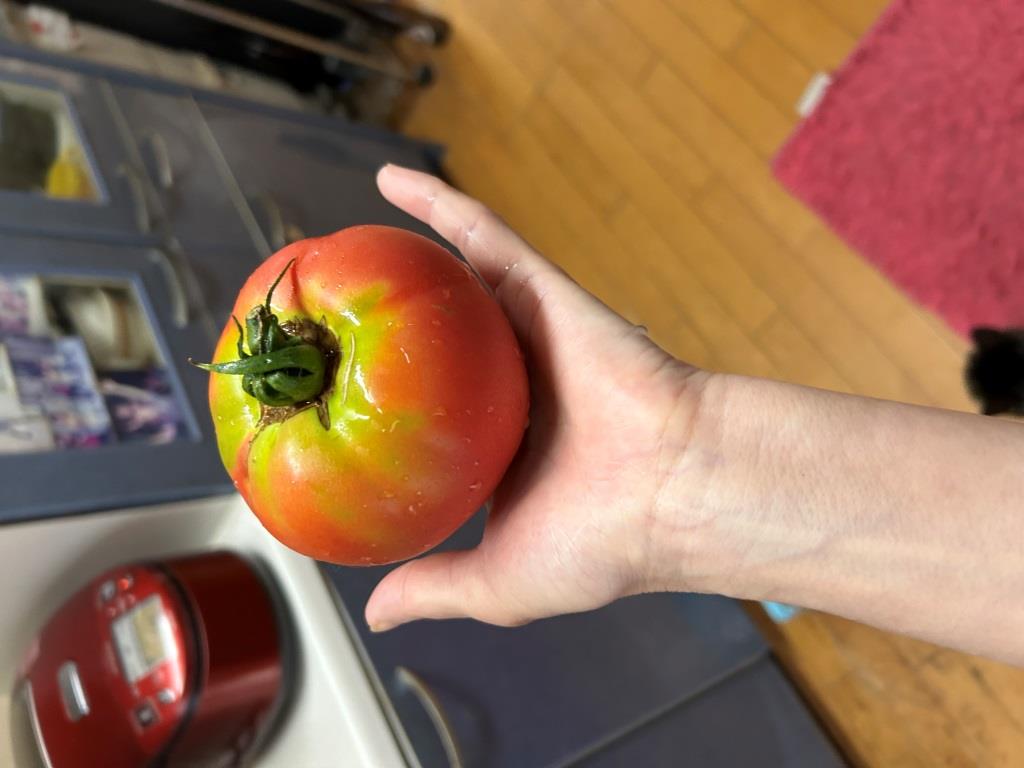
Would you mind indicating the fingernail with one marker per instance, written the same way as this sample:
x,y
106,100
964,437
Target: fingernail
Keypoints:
x,y
381,626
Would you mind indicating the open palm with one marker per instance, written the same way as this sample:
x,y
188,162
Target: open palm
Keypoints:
x,y
568,530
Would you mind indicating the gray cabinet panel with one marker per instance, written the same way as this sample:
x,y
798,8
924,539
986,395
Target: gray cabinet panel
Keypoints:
x,y
752,719
83,104
196,195
303,179
539,694
120,474
220,272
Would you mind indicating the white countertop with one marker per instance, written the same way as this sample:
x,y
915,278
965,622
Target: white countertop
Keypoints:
x,y
335,718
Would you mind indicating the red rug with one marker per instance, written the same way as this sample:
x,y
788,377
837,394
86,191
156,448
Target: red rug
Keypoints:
x,y
915,156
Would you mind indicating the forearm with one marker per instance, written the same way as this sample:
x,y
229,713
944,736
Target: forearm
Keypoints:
x,y
908,518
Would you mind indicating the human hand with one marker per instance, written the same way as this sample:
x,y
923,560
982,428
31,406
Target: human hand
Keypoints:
x,y
570,528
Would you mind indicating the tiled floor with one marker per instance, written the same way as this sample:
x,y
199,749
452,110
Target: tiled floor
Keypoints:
x,y
629,140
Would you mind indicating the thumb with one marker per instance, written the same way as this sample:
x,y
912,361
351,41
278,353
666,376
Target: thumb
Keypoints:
x,y
519,276
447,585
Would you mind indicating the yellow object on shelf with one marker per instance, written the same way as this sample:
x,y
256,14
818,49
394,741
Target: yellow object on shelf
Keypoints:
x,y
69,177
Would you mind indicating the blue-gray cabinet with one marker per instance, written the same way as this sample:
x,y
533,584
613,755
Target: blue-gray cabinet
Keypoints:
x,y
308,178
549,692
64,165
753,718
119,419
195,198
117,191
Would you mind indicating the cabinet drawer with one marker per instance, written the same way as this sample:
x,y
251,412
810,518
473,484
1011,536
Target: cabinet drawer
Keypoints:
x,y
539,694
305,179
102,410
754,718
182,164
64,167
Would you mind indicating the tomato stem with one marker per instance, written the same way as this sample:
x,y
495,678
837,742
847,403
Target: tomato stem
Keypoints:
x,y
284,365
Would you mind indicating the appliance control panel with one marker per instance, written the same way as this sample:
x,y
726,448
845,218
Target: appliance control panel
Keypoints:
x,y
147,649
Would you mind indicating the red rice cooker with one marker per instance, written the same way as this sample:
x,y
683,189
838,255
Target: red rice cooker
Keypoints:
x,y
177,663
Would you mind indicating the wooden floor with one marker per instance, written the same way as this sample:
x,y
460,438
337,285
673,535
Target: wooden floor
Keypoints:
x,y
629,140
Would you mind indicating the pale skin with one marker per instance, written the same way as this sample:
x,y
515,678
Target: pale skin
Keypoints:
x,y
640,473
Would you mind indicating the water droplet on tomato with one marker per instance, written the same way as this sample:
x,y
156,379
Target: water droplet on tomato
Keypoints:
x,y
475,486
387,494
435,321
440,411
490,409
447,293
476,463
467,440
405,478
411,508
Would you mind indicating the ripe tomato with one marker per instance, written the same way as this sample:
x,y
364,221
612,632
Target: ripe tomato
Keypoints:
x,y
378,397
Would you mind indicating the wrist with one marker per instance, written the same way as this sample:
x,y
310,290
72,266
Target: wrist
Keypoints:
x,y
714,483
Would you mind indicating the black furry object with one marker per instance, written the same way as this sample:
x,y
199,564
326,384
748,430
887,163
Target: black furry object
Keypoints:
x,y
995,370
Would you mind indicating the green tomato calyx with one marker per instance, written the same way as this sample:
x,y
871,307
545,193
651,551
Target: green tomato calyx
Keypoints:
x,y
287,365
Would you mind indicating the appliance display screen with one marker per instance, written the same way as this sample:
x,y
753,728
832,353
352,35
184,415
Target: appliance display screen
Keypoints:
x,y
144,638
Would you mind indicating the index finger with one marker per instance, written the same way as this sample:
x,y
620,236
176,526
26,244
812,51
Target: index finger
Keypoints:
x,y
483,238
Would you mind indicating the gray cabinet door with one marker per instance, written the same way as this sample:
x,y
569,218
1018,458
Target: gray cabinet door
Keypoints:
x,y
754,718
64,168
309,178
198,198
136,453
540,694
219,273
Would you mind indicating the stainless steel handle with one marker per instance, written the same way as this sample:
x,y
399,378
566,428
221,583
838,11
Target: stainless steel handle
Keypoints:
x,y
175,284
26,735
72,692
162,156
281,232
140,196
275,222
409,680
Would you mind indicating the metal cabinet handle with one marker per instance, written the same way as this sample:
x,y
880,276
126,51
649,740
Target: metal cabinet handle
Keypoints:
x,y
162,156
140,196
275,221
175,284
409,680
281,232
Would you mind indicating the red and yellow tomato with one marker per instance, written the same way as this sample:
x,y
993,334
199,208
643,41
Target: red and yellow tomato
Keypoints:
x,y
419,407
